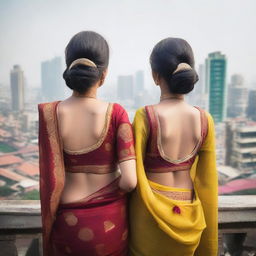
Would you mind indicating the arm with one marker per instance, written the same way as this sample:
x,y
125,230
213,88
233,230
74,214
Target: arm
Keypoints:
x,y
206,183
126,152
128,180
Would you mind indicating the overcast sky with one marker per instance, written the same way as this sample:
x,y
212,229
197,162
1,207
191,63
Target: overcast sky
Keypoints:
x,y
36,30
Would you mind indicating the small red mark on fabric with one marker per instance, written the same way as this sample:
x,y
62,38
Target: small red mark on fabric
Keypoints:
x,y
176,209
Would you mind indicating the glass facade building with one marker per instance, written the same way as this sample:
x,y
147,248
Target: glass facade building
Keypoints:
x,y
216,66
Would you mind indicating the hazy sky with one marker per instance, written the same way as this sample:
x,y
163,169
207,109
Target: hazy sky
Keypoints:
x,y
36,30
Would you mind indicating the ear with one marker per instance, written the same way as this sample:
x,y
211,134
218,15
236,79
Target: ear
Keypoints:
x,y
156,77
103,76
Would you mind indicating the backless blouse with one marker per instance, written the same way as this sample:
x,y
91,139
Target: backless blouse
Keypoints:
x,y
155,159
116,144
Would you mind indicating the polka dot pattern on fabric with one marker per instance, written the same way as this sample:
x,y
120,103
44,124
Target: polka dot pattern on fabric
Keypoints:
x,y
124,235
108,225
70,219
85,234
125,132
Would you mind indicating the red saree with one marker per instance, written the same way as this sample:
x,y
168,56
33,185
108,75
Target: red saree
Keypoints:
x,y
98,222
52,171
81,228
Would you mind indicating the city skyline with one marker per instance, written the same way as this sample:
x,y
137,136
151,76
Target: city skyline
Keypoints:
x,y
131,30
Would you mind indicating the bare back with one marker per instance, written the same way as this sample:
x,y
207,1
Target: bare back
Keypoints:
x,y
81,124
179,134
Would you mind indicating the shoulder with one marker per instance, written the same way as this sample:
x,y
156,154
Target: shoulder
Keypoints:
x,y
141,115
140,111
47,105
206,115
207,123
119,114
118,109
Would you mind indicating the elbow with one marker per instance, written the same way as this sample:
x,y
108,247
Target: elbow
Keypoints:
x,y
128,185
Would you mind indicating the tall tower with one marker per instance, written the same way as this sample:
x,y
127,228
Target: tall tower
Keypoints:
x,y
125,87
251,113
216,65
52,83
17,88
198,95
237,97
139,81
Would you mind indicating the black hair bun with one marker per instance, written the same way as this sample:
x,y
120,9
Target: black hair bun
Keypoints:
x,y
80,77
91,46
183,81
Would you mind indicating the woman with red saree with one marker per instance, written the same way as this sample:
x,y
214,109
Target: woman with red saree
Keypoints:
x,y
82,141
174,210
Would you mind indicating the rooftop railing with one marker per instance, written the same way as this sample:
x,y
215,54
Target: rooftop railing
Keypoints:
x,y
20,226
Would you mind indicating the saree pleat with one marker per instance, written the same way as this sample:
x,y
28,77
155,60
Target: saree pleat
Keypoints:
x,y
155,229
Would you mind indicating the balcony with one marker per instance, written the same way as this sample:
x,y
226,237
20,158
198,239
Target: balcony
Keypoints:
x,y
20,221
244,140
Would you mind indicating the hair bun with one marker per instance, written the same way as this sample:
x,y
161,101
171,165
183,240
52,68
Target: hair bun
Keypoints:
x,y
80,77
182,82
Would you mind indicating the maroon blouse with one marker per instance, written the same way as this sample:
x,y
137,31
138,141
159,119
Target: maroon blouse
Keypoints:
x,y
116,144
155,159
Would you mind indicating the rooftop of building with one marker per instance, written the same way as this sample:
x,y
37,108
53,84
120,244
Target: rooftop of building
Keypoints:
x,y
217,55
29,168
24,150
11,175
228,171
9,159
237,185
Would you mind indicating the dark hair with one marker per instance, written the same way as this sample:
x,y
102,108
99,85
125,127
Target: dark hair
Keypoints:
x,y
90,45
165,58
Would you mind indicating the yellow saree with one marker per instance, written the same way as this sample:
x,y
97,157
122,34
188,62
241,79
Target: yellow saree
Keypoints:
x,y
155,230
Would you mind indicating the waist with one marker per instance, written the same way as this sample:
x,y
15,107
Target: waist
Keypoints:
x,y
167,169
175,193
172,179
94,169
81,185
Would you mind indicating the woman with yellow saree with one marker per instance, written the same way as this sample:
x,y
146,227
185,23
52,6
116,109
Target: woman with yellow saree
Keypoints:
x,y
174,210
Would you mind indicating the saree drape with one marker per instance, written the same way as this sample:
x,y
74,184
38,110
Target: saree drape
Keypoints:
x,y
155,229
52,171
104,212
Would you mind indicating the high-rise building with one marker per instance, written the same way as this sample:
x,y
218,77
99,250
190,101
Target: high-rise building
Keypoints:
x,y
52,83
198,96
220,136
241,144
139,81
17,88
251,109
237,97
125,87
216,88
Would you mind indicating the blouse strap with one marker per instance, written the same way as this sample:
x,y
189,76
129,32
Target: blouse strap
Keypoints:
x,y
204,124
